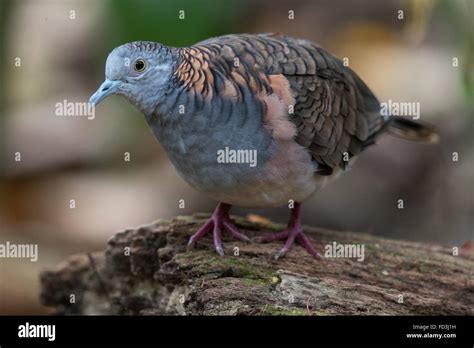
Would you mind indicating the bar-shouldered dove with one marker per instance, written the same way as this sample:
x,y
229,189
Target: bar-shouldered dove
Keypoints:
x,y
253,120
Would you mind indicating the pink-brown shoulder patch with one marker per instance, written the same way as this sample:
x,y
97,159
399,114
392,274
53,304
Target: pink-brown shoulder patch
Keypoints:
x,y
277,110
281,87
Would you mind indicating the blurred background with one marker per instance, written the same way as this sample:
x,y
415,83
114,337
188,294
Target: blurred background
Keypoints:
x,y
62,46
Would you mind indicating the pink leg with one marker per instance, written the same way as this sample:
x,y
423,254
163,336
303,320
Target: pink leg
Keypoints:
x,y
294,231
218,221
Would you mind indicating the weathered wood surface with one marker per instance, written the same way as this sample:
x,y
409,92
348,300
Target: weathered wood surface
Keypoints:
x,y
147,271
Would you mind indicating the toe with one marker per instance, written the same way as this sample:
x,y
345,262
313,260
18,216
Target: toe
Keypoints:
x,y
272,237
306,243
281,253
217,234
234,232
200,233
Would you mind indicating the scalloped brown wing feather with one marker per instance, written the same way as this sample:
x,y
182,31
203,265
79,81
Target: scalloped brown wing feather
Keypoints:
x,y
334,111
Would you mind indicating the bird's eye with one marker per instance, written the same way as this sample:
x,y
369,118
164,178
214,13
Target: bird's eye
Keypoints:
x,y
139,65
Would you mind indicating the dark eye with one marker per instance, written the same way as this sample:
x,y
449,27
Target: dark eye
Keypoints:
x,y
140,65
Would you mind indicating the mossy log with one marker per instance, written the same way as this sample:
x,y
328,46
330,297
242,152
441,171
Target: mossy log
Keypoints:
x,y
147,271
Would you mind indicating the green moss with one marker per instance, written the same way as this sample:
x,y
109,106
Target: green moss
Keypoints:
x,y
273,310
241,267
252,282
372,248
186,218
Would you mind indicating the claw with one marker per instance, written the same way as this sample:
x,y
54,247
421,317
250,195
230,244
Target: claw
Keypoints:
x,y
220,251
280,254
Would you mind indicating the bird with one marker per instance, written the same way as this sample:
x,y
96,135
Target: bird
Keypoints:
x,y
254,121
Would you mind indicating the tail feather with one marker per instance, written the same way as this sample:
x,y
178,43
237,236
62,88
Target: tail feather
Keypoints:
x,y
412,130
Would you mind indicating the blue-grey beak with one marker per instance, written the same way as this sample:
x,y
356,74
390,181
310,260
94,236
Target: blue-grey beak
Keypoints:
x,y
107,88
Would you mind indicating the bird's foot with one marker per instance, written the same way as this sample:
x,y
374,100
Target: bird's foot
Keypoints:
x,y
217,222
292,233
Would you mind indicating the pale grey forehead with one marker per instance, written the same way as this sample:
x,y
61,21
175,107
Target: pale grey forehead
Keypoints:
x,y
118,62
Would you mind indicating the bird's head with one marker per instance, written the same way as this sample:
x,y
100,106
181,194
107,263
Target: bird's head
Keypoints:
x,y
140,71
